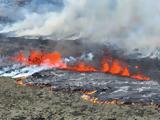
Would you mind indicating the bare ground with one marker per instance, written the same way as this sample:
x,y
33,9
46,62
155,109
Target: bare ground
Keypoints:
x,y
25,103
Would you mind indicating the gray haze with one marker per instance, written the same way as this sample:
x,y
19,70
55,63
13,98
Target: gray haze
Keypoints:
x,y
127,23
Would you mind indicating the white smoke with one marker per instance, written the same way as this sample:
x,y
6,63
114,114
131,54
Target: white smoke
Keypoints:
x,y
128,23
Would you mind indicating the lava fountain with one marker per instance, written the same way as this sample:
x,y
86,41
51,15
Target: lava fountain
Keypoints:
x,y
55,60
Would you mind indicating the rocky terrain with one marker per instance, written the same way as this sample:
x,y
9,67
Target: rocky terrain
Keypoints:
x,y
27,103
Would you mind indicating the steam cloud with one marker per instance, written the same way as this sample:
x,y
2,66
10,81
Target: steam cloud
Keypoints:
x,y
127,23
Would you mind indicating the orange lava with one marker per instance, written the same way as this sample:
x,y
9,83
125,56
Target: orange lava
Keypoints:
x,y
125,72
88,92
105,66
82,67
55,60
140,77
96,101
116,67
20,57
20,82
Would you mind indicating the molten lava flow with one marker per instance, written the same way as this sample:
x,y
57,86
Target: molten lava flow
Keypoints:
x,y
105,66
140,77
20,82
125,72
20,57
96,101
82,67
35,58
55,60
116,67
88,92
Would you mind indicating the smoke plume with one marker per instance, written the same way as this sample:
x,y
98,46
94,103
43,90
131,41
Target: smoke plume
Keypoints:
x,y
127,23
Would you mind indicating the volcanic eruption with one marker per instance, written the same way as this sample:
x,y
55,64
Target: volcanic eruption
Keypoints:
x,y
107,50
55,60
